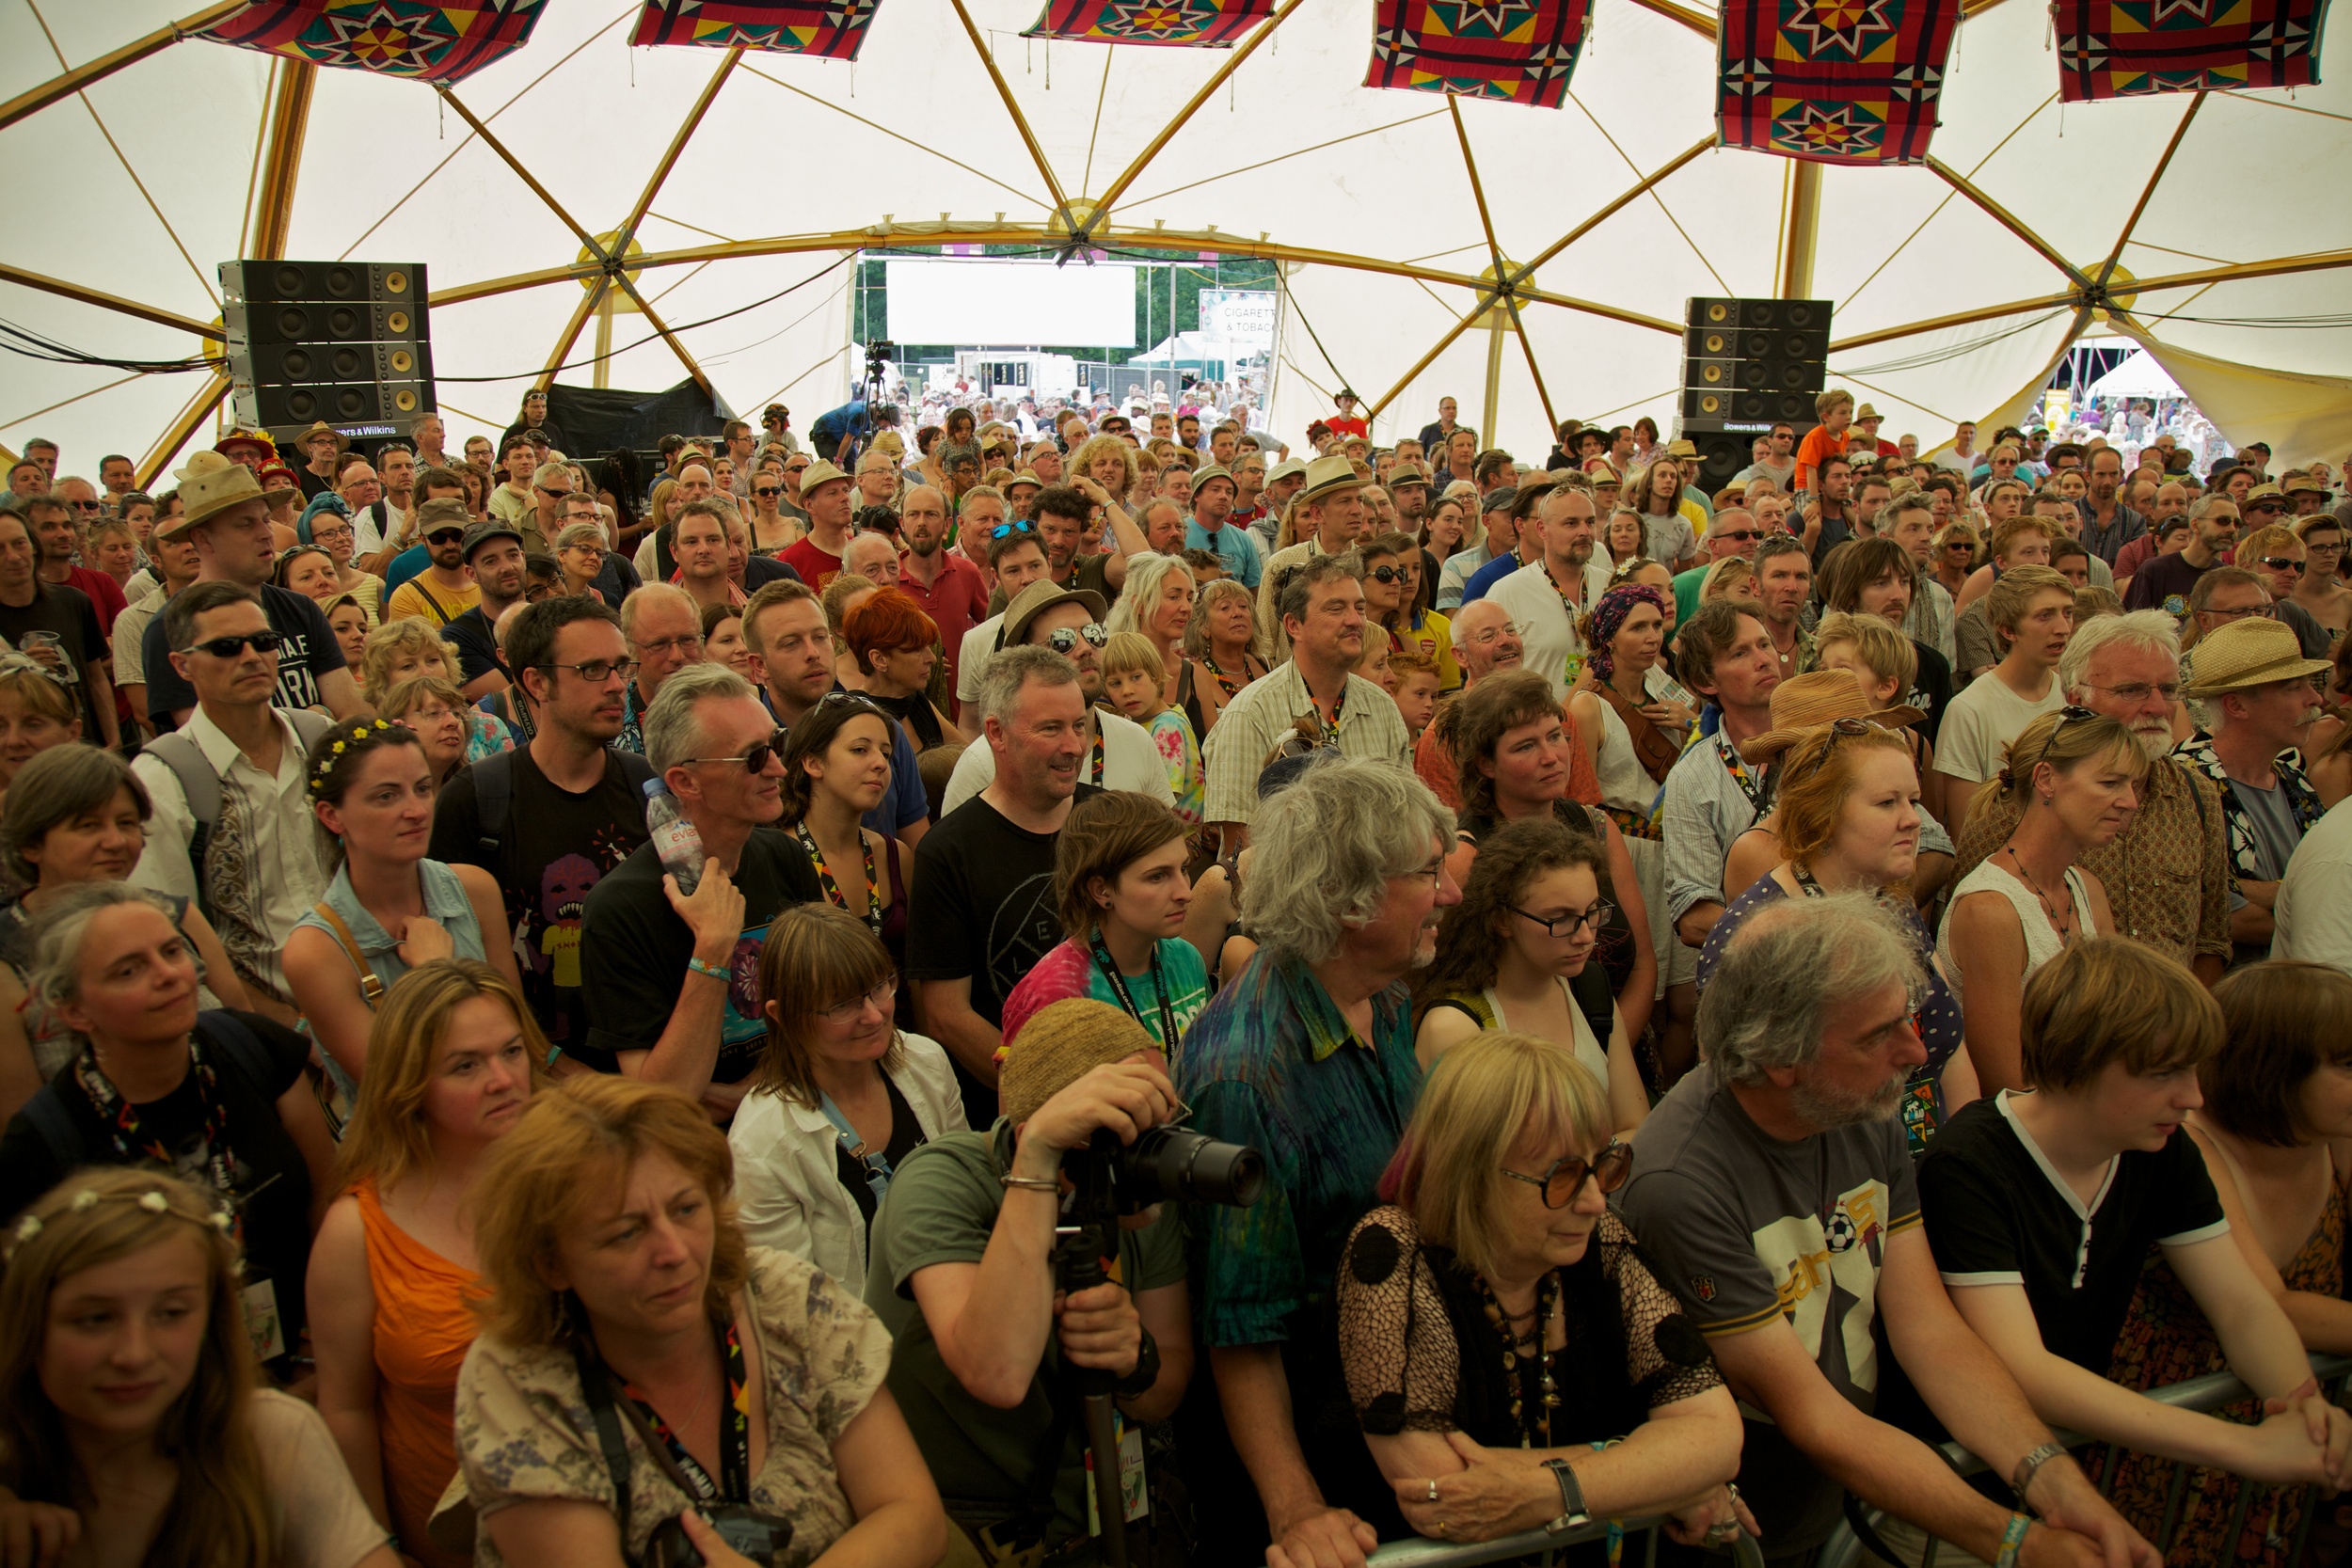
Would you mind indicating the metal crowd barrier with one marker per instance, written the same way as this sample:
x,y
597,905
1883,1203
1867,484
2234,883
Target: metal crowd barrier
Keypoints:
x,y
1844,1548
1641,1536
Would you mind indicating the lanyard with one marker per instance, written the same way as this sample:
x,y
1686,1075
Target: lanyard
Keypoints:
x,y
873,1162
1126,998
734,1429
1094,767
1740,776
132,1142
832,888
1331,727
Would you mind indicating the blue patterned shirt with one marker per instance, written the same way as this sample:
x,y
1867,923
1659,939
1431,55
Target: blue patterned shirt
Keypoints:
x,y
1271,1063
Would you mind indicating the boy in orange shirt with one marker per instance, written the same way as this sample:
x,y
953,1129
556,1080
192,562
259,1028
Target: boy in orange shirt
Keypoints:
x,y
1826,440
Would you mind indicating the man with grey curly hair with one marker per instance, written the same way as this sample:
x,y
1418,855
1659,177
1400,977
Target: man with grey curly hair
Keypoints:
x,y
1308,1056
1774,1191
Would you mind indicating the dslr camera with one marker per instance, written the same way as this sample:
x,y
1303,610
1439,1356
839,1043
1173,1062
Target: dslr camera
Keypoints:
x,y
1165,1164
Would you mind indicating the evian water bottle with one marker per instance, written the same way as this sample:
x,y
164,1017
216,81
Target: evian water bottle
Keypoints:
x,y
674,838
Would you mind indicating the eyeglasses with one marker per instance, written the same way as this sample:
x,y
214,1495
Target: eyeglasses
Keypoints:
x,y
1480,637
230,647
2284,564
1062,638
756,759
1569,923
596,672
327,535
2067,714
2137,692
881,998
1566,1177
446,536
690,644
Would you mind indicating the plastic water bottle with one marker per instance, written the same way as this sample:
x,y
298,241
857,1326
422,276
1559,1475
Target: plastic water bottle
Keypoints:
x,y
676,839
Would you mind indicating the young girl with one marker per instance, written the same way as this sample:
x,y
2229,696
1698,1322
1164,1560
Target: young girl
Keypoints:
x,y
1134,681
131,1429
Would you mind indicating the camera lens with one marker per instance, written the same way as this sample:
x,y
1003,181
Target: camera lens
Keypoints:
x,y
1169,1162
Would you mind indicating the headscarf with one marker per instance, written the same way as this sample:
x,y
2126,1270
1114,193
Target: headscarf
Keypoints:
x,y
326,501
1609,614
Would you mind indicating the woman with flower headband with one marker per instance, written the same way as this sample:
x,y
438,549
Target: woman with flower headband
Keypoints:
x,y
372,793
453,1062
132,1430
220,1098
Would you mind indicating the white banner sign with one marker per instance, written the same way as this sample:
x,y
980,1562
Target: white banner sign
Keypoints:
x,y
1242,320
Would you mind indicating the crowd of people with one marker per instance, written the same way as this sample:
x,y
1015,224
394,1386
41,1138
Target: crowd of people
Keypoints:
x,y
557,1015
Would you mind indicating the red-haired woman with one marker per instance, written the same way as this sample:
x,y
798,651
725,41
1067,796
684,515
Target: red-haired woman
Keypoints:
x,y
896,647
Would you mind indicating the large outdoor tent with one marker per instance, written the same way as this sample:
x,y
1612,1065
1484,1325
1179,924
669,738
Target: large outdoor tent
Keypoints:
x,y
743,185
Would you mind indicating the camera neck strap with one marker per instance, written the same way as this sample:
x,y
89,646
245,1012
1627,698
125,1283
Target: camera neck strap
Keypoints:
x,y
684,1472
873,1162
1109,967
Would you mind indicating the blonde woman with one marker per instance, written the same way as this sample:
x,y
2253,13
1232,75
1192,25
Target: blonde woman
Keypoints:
x,y
408,649
1222,651
453,1060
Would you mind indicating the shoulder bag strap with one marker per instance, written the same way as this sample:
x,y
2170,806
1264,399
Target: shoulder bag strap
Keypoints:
x,y
597,1390
1652,747
371,988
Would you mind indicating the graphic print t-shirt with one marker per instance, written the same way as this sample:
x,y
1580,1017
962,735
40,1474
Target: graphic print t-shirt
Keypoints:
x,y
556,847
1745,1227
634,949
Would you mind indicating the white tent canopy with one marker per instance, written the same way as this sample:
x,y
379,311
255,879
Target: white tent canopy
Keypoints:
x,y
2138,376
755,180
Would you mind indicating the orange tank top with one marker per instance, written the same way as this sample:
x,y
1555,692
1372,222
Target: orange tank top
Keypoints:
x,y
423,1329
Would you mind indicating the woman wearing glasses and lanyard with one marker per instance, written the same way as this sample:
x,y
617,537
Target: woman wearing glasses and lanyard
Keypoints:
x,y
841,1095
1517,954
2080,775
1123,898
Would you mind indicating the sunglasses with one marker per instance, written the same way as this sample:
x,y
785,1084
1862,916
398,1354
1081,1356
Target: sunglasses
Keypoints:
x,y
1839,730
2283,563
766,490
1566,1177
1062,638
759,756
1739,535
446,536
2067,714
1006,531
230,647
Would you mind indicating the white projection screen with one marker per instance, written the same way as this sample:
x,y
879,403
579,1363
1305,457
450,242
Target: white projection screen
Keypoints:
x,y
999,304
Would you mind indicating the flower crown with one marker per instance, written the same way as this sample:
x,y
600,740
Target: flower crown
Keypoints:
x,y
332,757
153,1201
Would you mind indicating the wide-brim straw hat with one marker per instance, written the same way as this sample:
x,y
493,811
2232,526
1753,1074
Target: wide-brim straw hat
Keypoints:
x,y
1804,704
209,485
1328,476
2256,651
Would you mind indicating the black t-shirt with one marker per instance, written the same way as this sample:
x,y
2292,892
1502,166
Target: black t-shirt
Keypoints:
x,y
906,1136
310,653
1931,688
1995,1214
633,951
477,647
273,1183
2164,583
66,612
984,892
556,847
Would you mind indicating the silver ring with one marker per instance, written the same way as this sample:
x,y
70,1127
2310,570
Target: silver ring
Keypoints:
x,y
1433,1491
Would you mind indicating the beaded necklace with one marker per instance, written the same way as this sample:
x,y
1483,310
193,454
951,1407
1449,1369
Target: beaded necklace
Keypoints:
x,y
1518,1347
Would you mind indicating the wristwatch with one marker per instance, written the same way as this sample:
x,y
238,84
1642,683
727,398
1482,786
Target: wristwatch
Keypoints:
x,y
1573,1513
1139,1383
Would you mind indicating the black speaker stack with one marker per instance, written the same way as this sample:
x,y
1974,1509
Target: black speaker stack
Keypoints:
x,y
348,343
1749,364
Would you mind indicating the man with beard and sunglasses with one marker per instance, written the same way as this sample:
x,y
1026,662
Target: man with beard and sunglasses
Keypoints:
x,y
1120,752
1774,1193
669,975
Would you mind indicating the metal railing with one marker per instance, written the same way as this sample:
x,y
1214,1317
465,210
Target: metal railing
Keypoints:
x,y
1640,1534
1844,1548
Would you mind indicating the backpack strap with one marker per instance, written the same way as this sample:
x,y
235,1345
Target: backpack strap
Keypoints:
x,y
237,1043
200,786
493,793
371,986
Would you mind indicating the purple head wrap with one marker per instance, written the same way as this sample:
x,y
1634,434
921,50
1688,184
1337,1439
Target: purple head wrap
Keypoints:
x,y
1609,614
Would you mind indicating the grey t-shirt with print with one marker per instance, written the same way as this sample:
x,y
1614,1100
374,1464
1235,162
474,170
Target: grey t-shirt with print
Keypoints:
x,y
1745,1227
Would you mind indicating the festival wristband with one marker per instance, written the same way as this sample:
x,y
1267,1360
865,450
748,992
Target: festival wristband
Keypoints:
x,y
2031,1466
717,972
2012,1539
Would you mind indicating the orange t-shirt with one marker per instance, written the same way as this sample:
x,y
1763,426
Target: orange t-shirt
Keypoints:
x,y
1817,444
